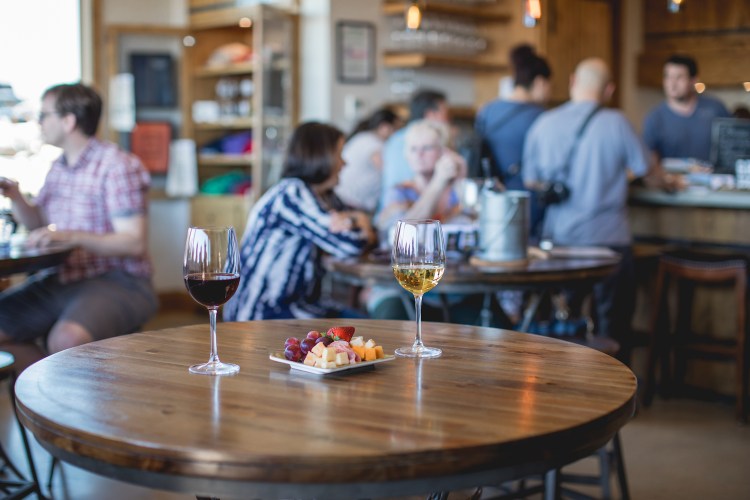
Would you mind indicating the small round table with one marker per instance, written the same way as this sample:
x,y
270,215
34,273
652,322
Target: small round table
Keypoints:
x,y
25,260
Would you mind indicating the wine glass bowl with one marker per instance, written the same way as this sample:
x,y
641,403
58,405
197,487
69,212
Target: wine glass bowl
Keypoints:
x,y
211,271
418,261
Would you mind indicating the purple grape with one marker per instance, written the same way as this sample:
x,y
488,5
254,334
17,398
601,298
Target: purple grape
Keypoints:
x,y
290,341
306,345
324,340
293,353
313,335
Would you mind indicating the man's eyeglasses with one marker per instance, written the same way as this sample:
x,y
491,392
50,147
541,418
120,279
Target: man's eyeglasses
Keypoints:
x,y
45,114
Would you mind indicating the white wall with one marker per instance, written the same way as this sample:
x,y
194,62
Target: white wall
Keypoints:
x,y
322,97
162,12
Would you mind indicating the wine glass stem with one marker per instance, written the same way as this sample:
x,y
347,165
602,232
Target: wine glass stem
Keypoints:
x,y
214,358
418,313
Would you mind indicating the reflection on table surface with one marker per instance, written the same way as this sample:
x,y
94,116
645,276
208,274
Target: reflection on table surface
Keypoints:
x,y
496,405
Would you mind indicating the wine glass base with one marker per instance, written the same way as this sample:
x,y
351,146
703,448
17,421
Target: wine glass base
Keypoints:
x,y
215,368
419,352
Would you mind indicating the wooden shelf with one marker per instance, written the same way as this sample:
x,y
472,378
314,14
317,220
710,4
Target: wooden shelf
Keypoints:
x,y
423,60
475,12
232,124
224,160
456,112
234,69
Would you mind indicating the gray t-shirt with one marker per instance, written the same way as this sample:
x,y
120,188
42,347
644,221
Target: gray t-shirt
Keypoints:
x,y
596,211
677,136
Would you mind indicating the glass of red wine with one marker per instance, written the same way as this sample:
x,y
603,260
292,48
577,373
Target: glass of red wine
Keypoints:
x,y
212,273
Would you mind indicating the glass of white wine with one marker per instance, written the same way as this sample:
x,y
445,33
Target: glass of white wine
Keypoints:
x,y
418,260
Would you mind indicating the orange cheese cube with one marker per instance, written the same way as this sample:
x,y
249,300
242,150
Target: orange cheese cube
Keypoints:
x,y
370,354
379,352
360,350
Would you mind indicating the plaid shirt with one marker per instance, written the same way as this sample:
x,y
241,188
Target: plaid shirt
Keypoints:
x,y
104,184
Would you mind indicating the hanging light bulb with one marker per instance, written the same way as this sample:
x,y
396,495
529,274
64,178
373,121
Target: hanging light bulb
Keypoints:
x,y
674,5
532,12
413,16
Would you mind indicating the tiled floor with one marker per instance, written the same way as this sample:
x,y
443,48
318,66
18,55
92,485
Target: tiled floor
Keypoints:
x,y
677,449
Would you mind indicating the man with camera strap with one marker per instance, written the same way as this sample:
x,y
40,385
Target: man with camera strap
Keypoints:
x,y
583,156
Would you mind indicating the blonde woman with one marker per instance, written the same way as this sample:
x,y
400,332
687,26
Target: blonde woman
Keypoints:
x,y
430,194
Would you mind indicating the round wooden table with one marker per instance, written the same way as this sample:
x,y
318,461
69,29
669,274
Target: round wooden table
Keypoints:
x,y
461,277
25,260
497,405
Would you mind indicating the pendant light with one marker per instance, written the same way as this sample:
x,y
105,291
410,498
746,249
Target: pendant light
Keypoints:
x,y
532,12
413,16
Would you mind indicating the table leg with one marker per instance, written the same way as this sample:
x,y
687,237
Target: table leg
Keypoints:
x,y
530,311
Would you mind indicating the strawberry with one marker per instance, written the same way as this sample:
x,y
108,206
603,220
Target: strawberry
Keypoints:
x,y
341,332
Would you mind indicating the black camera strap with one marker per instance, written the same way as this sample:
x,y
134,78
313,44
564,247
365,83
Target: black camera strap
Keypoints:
x,y
566,166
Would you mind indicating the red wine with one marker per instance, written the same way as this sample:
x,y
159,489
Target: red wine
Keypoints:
x,y
212,289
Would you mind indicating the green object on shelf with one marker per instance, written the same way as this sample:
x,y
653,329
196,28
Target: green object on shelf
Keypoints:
x,y
223,184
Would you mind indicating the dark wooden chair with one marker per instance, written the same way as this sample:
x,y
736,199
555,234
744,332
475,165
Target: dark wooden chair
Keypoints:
x,y
16,486
688,270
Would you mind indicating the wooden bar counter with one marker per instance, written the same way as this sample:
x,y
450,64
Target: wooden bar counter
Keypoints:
x,y
497,405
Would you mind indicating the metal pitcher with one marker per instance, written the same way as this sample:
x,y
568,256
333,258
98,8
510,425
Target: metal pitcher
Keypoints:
x,y
503,225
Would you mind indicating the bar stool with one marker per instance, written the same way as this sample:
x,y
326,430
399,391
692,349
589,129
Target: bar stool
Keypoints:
x,y
688,270
20,487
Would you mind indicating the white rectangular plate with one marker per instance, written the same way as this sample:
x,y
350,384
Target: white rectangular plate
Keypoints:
x,y
279,358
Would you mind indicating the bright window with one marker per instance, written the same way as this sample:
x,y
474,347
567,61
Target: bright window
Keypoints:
x,y
41,43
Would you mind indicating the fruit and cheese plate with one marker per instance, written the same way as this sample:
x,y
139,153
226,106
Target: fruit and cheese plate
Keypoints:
x,y
335,351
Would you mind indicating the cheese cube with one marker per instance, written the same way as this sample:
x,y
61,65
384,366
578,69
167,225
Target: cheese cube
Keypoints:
x,y
318,349
370,355
327,364
369,344
359,340
319,362
310,359
329,354
342,358
360,350
379,351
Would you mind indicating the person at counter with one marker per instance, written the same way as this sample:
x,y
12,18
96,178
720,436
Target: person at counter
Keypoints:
x,y
591,150
95,198
291,226
680,127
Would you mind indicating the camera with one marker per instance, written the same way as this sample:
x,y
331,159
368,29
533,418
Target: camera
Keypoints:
x,y
553,192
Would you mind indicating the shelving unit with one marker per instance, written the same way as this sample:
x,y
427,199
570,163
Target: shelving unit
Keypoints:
x,y
473,12
424,60
261,101
486,63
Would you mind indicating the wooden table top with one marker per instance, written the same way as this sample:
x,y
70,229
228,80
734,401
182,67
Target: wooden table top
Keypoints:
x,y
19,259
496,405
460,275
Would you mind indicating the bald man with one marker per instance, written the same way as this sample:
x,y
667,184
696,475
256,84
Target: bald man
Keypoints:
x,y
594,151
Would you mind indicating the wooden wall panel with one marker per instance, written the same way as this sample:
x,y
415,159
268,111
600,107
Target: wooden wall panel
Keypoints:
x,y
576,30
715,32
696,16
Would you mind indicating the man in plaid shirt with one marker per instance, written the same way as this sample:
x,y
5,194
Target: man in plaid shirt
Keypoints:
x,y
95,198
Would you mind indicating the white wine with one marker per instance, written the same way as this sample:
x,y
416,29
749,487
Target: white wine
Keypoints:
x,y
418,279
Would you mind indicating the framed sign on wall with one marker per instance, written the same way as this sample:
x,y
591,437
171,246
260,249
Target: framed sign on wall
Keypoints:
x,y
355,52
